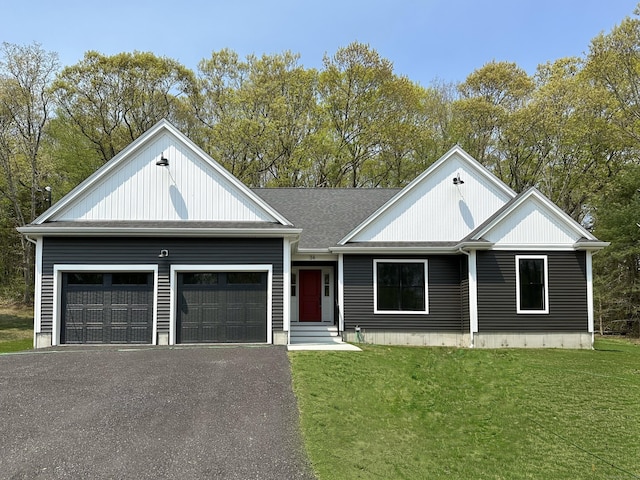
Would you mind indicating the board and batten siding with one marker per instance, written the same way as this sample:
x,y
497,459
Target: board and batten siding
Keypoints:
x,y
496,273
183,251
444,290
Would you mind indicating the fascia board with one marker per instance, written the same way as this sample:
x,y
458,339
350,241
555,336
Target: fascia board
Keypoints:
x,y
472,162
162,125
557,211
34,231
394,250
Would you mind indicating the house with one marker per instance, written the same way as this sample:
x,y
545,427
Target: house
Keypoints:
x,y
163,246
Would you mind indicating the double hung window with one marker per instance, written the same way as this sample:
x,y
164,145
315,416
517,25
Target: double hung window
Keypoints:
x,y
532,294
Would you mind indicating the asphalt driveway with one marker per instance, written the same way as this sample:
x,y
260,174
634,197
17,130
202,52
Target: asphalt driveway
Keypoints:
x,y
149,413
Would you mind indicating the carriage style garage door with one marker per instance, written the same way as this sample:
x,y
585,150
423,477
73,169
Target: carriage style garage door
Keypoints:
x,y
222,307
112,307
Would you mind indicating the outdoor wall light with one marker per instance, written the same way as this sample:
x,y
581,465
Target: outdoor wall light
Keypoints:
x,y
457,181
163,162
163,254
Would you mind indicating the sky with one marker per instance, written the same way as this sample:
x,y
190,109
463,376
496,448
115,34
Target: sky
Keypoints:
x,y
426,40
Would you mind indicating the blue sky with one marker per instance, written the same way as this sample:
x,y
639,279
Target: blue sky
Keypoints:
x,y
426,40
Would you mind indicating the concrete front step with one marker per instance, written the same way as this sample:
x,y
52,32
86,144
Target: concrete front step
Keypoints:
x,y
314,339
314,333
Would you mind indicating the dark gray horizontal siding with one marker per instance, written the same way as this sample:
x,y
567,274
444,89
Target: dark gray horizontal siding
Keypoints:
x,y
185,251
497,294
445,300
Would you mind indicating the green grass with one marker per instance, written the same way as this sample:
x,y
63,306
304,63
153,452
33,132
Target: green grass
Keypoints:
x,y
16,329
415,413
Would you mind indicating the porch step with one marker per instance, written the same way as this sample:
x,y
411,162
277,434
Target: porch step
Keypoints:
x,y
313,333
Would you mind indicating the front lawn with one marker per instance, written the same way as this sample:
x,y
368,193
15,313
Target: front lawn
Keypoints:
x,y
16,329
415,413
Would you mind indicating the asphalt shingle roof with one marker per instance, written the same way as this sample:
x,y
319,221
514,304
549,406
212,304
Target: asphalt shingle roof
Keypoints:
x,y
326,215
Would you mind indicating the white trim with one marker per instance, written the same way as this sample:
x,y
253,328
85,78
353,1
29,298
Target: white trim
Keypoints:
x,y
138,144
456,150
473,294
80,230
286,287
426,286
590,317
340,292
175,269
555,210
37,294
546,284
535,247
59,269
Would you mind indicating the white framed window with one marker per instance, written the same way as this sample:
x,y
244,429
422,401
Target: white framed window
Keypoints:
x,y
400,286
532,280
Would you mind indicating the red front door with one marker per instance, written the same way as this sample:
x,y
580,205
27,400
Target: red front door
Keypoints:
x,y
310,295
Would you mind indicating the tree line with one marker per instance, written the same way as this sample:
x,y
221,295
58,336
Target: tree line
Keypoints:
x,y
571,129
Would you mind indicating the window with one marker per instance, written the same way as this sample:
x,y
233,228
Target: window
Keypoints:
x,y
400,286
200,278
532,295
130,278
245,278
293,284
326,284
85,278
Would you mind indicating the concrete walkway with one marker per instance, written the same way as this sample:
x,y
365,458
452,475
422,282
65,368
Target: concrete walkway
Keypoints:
x,y
149,413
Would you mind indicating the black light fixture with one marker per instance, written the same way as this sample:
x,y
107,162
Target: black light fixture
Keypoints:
x,y
457,181
163,162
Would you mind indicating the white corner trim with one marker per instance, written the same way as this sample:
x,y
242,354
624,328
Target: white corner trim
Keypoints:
x,y
546,284
589,272
173,290
473,293
341,292
37,294
59,269
286,286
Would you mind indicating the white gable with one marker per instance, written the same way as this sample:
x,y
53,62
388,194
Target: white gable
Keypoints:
x,y
433,208
192,187
534,222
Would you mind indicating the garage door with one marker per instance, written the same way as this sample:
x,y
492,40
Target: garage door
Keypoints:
x,y
219,307
112,307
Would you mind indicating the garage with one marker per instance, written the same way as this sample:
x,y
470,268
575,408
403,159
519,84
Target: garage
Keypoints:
x,y
222,307
107,307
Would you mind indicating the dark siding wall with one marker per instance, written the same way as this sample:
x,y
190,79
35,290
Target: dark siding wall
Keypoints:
x,y
497,294
114,251
445,299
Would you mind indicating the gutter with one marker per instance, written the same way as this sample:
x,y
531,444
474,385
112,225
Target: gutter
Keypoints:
x,y
157,232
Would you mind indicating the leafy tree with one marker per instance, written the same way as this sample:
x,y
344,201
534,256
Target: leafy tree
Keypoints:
x,y
614,63
26,73
617,268
112,100
489,105
258,115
